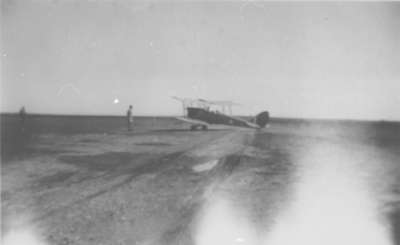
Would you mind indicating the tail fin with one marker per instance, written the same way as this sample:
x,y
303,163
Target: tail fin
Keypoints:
x,y
262,119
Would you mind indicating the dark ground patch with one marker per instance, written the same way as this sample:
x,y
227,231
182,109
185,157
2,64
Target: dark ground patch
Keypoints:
x,y
15,144
122,163
100,162
88,140
5,195
59,177
395,221
40,151
27,151
113,165
154,144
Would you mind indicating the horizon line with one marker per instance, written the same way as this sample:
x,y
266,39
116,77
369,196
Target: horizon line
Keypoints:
x,y
153,115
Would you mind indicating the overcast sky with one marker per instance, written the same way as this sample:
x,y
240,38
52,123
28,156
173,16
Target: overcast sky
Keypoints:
x,y
324,60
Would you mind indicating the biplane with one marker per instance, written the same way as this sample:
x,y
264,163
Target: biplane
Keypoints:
x,y
202,113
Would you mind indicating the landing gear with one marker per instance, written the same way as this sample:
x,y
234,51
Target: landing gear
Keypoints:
x,y
204,127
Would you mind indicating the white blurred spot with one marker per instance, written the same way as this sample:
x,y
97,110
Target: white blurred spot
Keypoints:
x,y
332,204
239,239
205,166
223,224
22,236
93,44
116,101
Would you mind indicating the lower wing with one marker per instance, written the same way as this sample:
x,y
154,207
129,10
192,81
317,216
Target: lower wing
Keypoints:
x,y
192,121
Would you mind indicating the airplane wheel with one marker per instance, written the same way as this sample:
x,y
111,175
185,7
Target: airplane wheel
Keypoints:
x,y
193,127
204,127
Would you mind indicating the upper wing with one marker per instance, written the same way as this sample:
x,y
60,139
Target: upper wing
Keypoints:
x,y
218,102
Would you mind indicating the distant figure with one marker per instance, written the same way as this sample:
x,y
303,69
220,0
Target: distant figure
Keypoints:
x,y
129,118
22,117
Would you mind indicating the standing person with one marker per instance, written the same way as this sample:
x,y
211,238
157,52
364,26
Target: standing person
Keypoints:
x,y
22,117
129,118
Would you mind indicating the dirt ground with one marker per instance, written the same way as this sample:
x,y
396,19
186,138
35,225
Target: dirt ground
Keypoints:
x,y
222,186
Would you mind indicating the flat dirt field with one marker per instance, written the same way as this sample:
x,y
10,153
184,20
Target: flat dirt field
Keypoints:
x,y
296,182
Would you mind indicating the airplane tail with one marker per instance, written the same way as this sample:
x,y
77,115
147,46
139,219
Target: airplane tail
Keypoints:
x,y
262,119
